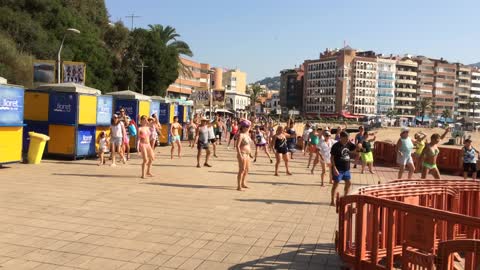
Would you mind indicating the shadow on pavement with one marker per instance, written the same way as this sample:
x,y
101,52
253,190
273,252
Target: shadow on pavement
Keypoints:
x,y
284,183
95,175
271,201
189,186
234,172
173,165
308,256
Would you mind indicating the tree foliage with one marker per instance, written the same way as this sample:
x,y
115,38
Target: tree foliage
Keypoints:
x,y
33,29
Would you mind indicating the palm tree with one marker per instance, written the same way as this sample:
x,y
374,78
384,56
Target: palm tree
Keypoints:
x,y
473,102
255,92
423,105
391,113
168,36
447,113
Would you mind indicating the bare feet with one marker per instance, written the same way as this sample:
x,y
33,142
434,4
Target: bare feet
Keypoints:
x,y
239,189
332,203
276,174
244,186
198,165
149,175
113,165
311,171
207,165
289,173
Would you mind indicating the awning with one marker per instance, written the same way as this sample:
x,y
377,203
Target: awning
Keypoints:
x,y
425,118
443,120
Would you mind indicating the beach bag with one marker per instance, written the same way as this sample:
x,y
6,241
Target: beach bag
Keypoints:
x,y
132,130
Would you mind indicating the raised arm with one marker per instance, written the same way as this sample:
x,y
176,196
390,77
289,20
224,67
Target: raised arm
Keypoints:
x,y
445,133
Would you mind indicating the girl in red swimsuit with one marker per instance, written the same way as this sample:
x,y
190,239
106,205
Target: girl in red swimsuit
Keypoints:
x,y
144,147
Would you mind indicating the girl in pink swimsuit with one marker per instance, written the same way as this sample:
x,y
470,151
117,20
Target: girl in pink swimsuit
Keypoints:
x,y
144,147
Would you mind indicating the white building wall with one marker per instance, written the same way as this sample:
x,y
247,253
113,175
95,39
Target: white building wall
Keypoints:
x,y
385,85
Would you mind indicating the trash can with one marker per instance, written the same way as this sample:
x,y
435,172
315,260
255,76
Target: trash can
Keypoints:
x,y
37,145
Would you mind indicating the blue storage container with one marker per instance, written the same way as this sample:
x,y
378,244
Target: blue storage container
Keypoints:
x,y
164,113
34,126
181,114
154,107
11,106
104,110
130,106
63,108
85,141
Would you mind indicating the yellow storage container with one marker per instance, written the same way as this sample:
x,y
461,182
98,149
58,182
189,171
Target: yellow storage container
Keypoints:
x,y
144,108
87,110
36,106
11,144
172,113
165,133
62,140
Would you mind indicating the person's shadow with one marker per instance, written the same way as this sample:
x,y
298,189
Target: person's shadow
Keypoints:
x,y
308,256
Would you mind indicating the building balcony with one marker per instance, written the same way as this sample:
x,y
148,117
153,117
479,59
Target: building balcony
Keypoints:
x,y
476,81
406,81
465,94
386,86
407,73
405,98
389,104
405,90
462,110
462,101
408,107
385,95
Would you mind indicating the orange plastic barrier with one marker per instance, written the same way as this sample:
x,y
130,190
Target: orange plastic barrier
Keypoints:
x,y
410,223
449,160
385,153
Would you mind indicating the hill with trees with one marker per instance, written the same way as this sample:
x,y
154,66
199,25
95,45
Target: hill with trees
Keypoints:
x,y
270,82
33,29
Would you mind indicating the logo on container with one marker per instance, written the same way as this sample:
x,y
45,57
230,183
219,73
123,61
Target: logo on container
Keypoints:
x,y
63,108
9,104
86,139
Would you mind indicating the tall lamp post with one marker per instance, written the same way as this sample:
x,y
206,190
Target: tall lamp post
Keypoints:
x,y
210,91
73,30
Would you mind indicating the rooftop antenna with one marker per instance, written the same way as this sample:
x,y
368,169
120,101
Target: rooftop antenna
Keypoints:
x,y
132,17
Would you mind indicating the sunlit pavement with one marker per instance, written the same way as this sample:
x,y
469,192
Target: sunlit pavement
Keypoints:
x,y
77,215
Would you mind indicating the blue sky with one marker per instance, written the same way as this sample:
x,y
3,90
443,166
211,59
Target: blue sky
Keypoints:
x,y
262,37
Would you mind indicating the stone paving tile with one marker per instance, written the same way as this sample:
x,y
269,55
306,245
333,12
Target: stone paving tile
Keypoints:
x,y
76,215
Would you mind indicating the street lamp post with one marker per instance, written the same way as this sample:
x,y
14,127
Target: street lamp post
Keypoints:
x,y
142,66
73,30
210,90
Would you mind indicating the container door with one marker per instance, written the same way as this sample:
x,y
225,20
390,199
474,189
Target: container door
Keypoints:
x,y
11,106
38,127
104,110
85,144
154,108
87,110
164,113
144,109
63,108
130,106
36,106
10,144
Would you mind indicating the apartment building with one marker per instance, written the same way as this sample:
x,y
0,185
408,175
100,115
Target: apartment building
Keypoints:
x,y
386,69
328,80
475,93
291,88
185,84
364,87
462,90
235,81
444,87
406,87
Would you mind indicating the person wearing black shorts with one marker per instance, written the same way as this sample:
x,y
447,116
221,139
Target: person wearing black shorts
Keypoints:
x,y
469,160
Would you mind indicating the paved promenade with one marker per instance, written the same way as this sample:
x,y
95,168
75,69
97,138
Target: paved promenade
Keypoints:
x,y
75,215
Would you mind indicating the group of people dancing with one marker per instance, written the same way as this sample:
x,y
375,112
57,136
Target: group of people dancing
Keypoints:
x,y
332,148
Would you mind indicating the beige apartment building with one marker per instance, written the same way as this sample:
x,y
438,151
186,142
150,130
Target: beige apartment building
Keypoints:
x,y
463,90
235,80
406,87
364,87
